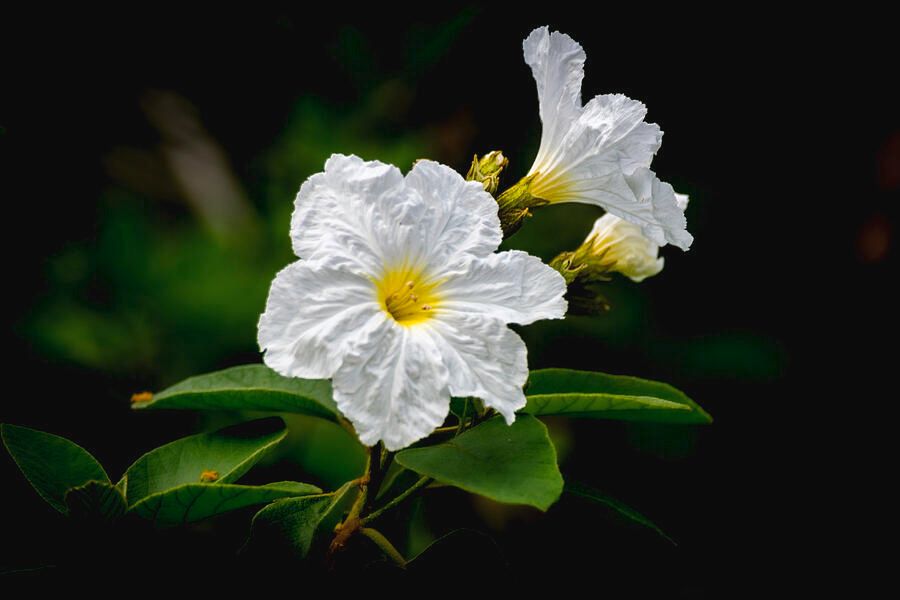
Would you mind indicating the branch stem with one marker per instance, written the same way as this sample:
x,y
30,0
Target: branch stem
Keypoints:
x,y
422,482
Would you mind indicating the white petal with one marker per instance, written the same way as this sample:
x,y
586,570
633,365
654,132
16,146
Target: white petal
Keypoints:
x,y
660,217
312,313
392,384
511,286
333,211
485,359
557,63
624,248
597,154
460,216
682,201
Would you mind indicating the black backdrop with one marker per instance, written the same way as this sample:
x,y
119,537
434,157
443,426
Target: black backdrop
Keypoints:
x,y
784,128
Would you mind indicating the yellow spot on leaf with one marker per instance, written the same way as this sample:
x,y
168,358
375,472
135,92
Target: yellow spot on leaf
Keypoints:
x,y
141,397
209,476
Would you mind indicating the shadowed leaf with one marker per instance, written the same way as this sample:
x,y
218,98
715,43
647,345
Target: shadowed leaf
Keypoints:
x,y
196,501
601,396
221,456
514,464
52,464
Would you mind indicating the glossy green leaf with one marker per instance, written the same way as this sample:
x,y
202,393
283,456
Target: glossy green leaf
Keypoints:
x,y
291,527
514,464
52,464
95,500
195,501
224,455
618,506
249,387
601,396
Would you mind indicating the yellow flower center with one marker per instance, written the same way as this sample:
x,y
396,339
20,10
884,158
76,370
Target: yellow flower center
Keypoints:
x,y
407,295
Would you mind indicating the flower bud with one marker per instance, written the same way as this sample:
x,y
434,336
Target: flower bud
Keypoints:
x,y
486,170
613,246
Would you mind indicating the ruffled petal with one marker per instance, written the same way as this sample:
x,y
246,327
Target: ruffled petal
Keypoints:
x,y
659,212
485,359
312,313
460,216
333,211
557,63
600,153
392,384
511,286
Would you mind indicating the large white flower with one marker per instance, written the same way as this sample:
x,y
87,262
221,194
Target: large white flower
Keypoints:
x,y
598,153
401,300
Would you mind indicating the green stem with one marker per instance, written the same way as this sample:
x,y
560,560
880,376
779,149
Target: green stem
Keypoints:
x,y
379,458
422,482
462,419
386,546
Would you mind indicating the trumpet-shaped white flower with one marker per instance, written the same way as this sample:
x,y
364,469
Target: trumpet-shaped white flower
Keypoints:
x,y
598,153
401,300
617,246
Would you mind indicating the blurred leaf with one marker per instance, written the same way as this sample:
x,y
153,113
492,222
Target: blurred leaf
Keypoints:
x,y
52,464
291,526
515,464
224,455
249,387
397,480
583,491
196,501
96,500
429,44
325,451
602,396
445,555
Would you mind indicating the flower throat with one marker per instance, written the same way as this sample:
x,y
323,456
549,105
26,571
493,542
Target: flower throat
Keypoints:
x,y
407,296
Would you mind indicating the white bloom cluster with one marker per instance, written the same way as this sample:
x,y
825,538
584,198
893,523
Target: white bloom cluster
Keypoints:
x,y
598,153
399,296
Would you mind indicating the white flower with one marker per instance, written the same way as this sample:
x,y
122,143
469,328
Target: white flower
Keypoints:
x,y
617,246
598,153
401,300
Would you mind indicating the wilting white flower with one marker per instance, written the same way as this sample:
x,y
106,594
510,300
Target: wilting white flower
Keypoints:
x,y
598,153
401,300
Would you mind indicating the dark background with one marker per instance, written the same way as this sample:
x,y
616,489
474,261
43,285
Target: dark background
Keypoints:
x,y
151,159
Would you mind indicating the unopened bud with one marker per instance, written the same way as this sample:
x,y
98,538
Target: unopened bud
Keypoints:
x,y
487,169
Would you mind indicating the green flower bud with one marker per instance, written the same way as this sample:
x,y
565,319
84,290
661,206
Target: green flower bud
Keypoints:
x,y
486,170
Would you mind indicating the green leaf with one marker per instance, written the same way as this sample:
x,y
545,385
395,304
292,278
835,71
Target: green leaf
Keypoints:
x,y
514,464
95,500
250,387
291,526
621,508
601,396
196,501
224,455
52,464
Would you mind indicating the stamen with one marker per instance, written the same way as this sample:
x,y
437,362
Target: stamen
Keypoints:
x,y
401,302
